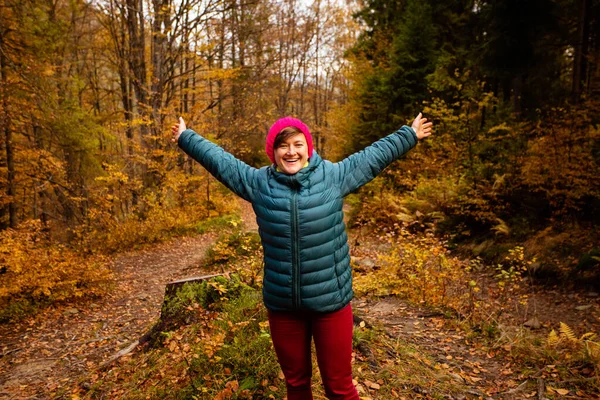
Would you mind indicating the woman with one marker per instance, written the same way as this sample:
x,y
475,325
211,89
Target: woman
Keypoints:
x,y
307,285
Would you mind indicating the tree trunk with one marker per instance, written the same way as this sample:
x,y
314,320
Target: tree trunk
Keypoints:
x,y
8,140
137,60
220,94
581,47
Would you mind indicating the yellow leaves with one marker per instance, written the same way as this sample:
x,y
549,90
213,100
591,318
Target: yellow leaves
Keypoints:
x,y
49,71
115,175
263,324
220,288
417,268
553,338
213,344
38,269
222,74
567,332
501,228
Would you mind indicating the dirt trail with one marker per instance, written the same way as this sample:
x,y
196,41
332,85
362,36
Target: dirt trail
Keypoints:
x,y
52,350
464,360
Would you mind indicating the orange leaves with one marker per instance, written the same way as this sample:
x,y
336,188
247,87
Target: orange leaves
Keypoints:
x,y
36,269
231,388
212,344
567,177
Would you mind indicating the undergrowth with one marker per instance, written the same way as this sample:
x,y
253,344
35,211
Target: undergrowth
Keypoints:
x,y
225,353
485,300
35,271
228,354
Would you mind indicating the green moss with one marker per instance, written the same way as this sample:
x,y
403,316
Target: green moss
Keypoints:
x,y
226,221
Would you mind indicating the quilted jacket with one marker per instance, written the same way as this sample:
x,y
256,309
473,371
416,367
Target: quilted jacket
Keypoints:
x,y
300,218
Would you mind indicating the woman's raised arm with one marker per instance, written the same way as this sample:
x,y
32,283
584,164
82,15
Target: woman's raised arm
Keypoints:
x,y
238,176
362,167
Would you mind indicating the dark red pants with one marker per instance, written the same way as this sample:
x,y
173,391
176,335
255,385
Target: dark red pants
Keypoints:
x,y
332,332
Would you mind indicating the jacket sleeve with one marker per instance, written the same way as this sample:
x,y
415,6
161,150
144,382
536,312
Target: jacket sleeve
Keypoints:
x,y
238,176
362,167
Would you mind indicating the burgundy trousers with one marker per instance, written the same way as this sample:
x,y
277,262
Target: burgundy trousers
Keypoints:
x,y
332,332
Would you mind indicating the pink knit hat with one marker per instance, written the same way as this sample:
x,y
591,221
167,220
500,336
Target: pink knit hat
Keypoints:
x,y
279,126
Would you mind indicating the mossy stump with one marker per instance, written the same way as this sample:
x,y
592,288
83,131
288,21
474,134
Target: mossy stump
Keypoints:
x,y
180,296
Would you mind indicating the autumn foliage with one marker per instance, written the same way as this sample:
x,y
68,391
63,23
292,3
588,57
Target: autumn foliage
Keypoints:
x,y
37,271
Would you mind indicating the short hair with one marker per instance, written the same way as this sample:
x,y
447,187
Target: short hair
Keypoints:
x,y
285,134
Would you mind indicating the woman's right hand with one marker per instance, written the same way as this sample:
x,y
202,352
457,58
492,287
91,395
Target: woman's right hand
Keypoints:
x,y
177,129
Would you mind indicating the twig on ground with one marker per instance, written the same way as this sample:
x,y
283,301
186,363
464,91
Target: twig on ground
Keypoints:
x,y
9,352
541,387
517,389
118,355
579,380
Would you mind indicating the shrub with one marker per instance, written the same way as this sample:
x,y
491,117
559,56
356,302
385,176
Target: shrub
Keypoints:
x,y
36,271
419,269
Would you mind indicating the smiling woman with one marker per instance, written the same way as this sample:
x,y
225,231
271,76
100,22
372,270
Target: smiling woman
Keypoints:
x,y
290,150
307,284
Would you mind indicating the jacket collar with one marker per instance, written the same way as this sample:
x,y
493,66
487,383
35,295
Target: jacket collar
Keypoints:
x,y
300,178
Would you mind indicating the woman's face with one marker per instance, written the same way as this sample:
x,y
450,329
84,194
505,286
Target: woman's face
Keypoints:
x,y
292,154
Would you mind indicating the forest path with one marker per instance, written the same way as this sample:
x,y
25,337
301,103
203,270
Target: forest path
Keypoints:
x,y
483,365
51,350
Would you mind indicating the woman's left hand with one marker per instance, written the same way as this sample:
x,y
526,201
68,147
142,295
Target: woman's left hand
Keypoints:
x,y
422,127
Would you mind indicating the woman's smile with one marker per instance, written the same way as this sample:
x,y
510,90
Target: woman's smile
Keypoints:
x,y
292,154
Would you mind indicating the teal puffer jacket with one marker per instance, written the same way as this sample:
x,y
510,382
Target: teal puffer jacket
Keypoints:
x,y
300,218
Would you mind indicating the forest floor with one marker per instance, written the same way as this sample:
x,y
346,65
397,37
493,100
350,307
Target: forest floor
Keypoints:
x,y
485,364
59,346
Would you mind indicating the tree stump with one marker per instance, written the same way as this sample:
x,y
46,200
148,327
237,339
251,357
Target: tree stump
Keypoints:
x,y
169,318
172,287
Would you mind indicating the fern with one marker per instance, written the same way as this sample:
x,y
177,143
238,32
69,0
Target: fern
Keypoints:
x,y
553,338
592,349
567,332
501,227
588,336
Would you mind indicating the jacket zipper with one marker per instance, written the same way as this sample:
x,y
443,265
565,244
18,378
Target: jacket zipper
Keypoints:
x,y
295,252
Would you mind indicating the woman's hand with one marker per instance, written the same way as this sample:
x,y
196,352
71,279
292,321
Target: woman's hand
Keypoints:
x,y
422,127
176,130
